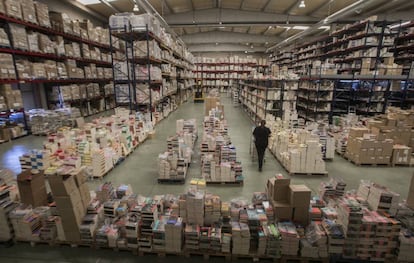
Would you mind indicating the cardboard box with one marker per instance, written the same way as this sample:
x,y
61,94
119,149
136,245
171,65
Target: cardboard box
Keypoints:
x,y
42,14
85,195
283,211
62,185
28,11
410,197
281,188
13,8
32,188
357,132
301,215
68,201
80,176
401,154
299,195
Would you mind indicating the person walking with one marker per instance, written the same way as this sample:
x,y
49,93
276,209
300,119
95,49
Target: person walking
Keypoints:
x,y
261,139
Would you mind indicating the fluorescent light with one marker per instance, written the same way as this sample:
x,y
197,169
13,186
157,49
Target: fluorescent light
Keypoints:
x,y
222,27
302,4
91,2
324,27
300,27
245,51
398,25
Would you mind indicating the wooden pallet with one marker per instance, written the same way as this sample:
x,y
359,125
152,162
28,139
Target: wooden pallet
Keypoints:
x,y
254,258
6,243
235,183
366,164
171,181
206,255
402,165
34,243
299,259
309,174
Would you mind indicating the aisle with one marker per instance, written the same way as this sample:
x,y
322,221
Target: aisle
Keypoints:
x,y
140,169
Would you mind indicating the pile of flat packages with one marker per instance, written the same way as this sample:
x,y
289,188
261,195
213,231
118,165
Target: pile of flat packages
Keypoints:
x,y
98,145
173,163
368,224
298,150
218,156
44,122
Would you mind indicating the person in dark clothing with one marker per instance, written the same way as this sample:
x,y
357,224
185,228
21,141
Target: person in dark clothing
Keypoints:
x,y
261,139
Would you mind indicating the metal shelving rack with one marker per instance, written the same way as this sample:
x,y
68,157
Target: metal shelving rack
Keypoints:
x,y
36,56
252,102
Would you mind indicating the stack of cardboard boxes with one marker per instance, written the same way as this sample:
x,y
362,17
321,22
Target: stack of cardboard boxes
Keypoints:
x,y
290,202
386,140
32,188
410,198
363,148
71,195
13,97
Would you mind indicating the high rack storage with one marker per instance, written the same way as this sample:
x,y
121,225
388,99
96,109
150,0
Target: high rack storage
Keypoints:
x,y
150,74
352,70
262,97
47,53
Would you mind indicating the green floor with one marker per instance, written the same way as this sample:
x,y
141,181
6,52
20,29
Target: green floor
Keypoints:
x,y
140,171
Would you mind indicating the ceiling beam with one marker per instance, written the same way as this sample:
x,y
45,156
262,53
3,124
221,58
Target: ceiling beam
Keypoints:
x,y
383,7
87,10
167,4
163,3
192,4
224,48
227,37
116,10
408,4
232,16
241,4
266,5
319,7
290,9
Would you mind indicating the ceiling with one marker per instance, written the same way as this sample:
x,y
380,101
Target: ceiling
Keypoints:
x,y
252,25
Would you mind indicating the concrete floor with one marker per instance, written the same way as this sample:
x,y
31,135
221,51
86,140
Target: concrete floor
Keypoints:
x,y
140,171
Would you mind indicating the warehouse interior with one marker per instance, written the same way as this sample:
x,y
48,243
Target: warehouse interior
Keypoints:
x,y
126,130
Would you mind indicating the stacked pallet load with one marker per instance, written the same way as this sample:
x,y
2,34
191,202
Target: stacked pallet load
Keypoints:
x,y
7,204
353,226
385,140
299,151
218,156
98,145
173,164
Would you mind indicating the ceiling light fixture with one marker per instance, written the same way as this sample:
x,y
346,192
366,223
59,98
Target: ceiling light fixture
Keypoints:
x,y
136,7
400,24
302,4
245,51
